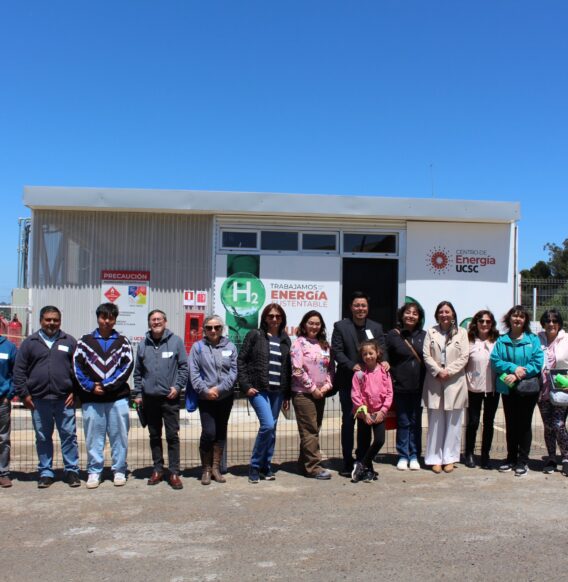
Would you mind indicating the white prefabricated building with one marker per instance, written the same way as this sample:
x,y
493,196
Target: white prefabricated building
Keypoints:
x,y
231,253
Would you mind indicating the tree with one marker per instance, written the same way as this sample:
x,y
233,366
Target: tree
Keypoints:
x,y
555,268
558,259
539,271
548,278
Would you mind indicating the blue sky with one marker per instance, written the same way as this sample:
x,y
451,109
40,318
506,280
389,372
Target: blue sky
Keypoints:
x,y
302,96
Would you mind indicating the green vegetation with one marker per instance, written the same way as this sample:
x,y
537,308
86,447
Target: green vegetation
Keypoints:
x,y
550,278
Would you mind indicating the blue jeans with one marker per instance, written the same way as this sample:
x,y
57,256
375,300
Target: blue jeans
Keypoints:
x,y
267,406
5,409
46,415
100,418
409,425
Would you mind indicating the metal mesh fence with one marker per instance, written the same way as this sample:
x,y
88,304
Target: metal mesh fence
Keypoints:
x,y
243,424
243,427
537,295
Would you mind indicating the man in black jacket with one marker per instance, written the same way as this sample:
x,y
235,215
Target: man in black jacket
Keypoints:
x,y
43,379
345,340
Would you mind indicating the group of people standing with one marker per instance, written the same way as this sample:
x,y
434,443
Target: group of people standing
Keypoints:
x,y
447,369
47,372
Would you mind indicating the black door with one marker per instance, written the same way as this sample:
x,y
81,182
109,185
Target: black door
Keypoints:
x,y
378,278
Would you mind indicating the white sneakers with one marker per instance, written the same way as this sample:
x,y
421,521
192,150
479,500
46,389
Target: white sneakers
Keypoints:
x,y
403,464
93,481
119,479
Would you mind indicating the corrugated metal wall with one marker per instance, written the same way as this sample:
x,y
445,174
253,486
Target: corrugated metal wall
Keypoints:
x,y
71,248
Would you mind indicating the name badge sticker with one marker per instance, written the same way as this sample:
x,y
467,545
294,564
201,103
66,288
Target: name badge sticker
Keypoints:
x,y
369,334
226,353
167,355
3,356
63,348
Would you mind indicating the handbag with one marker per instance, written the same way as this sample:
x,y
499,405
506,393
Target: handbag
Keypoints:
x,y
528,386
191,397
557,395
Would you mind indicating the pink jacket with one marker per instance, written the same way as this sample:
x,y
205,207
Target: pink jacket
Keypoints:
x,y
372,389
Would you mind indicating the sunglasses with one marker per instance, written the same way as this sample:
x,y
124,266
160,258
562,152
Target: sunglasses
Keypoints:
x,y
273,316
551,321
486,321
213,327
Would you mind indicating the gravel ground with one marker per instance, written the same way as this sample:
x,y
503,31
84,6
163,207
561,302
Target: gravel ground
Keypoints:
x,y
471,524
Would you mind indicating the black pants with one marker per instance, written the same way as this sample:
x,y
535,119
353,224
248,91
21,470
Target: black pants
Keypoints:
x,y
367,450
160,411
214,420
490,402
347,428
518,409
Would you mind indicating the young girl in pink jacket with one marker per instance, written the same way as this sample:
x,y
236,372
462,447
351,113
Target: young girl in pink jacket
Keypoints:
x,y
371,393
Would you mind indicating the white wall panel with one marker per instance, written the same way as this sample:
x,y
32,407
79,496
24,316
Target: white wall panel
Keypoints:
x,y
71,248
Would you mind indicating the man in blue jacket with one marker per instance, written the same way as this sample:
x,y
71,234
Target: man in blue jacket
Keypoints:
x,y
159,376
43,379
7,359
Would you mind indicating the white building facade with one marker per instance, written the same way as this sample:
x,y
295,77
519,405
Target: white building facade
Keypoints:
x,y
234,252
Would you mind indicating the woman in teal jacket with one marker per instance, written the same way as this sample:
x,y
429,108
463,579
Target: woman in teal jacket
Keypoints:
x,y
517,355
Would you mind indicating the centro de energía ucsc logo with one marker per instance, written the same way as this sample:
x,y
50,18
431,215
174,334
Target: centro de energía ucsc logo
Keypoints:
x,y
438,260
441,261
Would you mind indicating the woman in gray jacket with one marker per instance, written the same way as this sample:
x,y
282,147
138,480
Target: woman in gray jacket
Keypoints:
x,y
213,373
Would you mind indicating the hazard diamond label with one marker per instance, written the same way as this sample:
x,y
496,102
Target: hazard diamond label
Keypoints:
x,y
112,294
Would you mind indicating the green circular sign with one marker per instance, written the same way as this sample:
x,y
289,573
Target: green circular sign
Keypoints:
x,y
243,294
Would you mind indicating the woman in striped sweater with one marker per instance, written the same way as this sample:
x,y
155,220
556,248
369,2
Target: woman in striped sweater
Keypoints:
x,y
264,374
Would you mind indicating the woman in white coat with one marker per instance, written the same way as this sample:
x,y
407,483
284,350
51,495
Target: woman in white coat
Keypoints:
x,y
446,351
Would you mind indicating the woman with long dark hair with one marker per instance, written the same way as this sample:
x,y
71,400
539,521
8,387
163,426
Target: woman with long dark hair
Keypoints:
x,y
264,376
312,369
517,356
480,377
405,346
446,351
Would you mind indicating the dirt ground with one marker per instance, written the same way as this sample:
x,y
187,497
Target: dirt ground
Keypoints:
x,y
471,524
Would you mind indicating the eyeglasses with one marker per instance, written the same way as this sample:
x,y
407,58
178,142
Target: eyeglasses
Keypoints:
x,y
213,327
485,321
273,316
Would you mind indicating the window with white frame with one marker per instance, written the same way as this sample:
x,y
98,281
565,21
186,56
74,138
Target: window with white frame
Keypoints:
x,y
369,242
283,240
